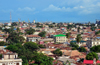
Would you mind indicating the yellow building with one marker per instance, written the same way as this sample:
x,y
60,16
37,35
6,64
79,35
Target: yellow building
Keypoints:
x,y
60,38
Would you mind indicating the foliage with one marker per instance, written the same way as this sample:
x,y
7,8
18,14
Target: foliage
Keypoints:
x,y
78,29
98,32
2,43
41,46
42,59
51,26
15,38
68,35
78,39
74,48
95,48
0,56
93,28
82,49
58,52
91,56
42,34
12,48
31,46
29,31
74,45
14,24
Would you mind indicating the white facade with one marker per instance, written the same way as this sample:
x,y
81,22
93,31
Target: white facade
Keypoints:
x,y
10,59
93,42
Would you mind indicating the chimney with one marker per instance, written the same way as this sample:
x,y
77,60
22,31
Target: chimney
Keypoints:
x,y
94,61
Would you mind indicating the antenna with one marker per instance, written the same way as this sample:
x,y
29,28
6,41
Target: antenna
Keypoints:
x,y
10,17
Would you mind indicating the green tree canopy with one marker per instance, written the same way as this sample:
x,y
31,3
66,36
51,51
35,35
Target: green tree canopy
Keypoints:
x,y
31,46
79,38
2,43
29,31
95,48
91,56
82,49
58,52
42,34
68,35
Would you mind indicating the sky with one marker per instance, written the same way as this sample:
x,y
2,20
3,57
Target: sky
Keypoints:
x,y
50,10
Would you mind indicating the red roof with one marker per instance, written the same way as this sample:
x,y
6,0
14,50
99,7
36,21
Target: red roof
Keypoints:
x,y
88,62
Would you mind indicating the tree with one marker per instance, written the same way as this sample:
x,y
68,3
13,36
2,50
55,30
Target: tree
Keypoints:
x,y
0,56
21,39
42,34
58,52
82,49
2,43
18,30
79,38
12,48
68,35
95,48
29,31
42,59
78,29
14,24
74,45
91,56
31,46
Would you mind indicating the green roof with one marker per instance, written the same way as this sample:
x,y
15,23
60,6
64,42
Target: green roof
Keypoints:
x,y
60,35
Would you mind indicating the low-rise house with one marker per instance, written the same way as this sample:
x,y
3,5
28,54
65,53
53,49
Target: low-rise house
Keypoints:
x,y
33,38
81,43
10,59
92,42
60,38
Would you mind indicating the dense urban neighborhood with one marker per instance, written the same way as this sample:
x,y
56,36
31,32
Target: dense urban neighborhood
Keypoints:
x,y
49,43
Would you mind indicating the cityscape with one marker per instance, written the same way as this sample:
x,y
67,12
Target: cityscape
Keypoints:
x,y
50,32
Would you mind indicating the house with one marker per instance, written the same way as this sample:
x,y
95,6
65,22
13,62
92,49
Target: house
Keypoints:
x,y
91,62
81,43
92,42
10,59
33,38
60,38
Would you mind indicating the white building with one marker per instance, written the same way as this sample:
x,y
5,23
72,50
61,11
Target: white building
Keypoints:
x,y
10,59
93,42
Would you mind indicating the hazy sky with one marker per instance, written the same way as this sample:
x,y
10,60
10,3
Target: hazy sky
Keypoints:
x,y
50,10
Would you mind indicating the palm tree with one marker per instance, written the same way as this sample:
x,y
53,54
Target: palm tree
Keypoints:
x,y
68,35
18,30
79,38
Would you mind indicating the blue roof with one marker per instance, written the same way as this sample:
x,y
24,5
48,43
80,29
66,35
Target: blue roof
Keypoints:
x,y
4,46
98,37
80,41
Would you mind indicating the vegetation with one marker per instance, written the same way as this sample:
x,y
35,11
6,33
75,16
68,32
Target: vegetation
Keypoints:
x,y
91,56
74,45
28,52
42,34
95,48
58,52
68,35
29,31
82,49
2,43
79,38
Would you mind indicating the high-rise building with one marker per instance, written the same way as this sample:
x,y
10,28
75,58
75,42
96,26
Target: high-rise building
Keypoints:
x,y
98,22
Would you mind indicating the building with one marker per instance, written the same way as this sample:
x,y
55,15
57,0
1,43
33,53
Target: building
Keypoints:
x,y
81,43
98,22
33,38
93,42
60,38
10,59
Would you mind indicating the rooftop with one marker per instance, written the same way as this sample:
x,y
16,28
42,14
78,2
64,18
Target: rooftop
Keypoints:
x,y
60,35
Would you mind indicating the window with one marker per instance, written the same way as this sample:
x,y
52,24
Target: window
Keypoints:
x,y
17,64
